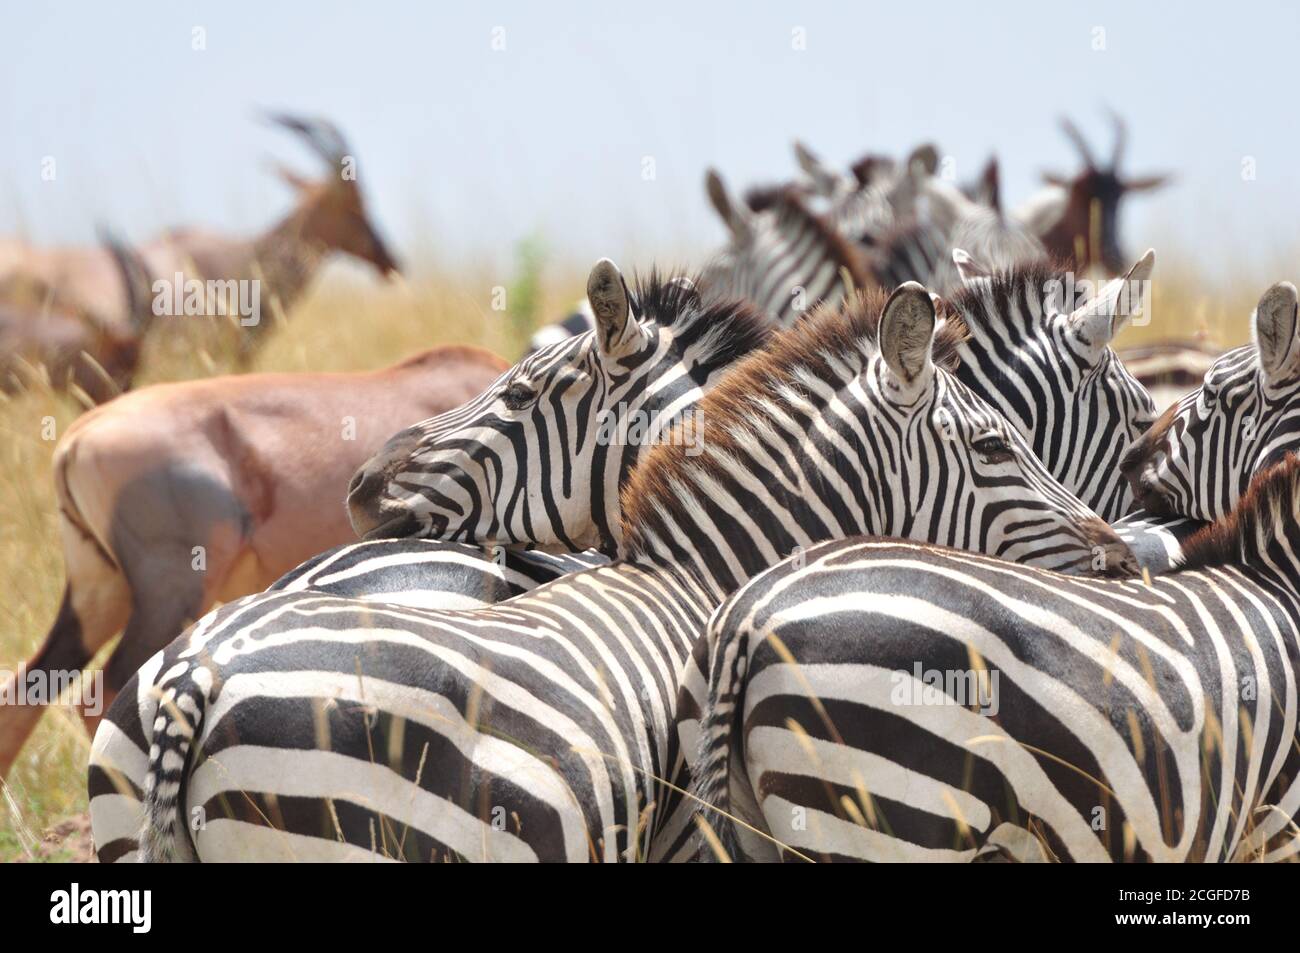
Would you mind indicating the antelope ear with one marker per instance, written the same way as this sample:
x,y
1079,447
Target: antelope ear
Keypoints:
x,y
1146,183
1103,316
732,215
906,337
1275,324
967,267
611,306
295,181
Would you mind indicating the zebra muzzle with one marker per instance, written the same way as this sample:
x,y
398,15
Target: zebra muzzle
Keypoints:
x,y
1111,556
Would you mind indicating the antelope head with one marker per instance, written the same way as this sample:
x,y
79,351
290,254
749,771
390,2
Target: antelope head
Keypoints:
x,y
331,210
1087,233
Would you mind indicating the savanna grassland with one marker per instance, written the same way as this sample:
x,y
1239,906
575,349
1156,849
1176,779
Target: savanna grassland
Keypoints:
x,y
342,325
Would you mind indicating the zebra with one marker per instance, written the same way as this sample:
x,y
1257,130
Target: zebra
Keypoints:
x,y
886,195
785,259
884,700
576,679
1202,453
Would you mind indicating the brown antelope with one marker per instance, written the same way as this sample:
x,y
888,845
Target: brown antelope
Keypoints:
x,y
177,496
43,331
1077,219
329,215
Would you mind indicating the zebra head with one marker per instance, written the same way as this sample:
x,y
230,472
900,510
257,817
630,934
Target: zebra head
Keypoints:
x,y
852,423
1202,453
784,259
1042,356
540,457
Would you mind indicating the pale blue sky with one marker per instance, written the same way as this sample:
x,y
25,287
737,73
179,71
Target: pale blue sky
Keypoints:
x,y
463,149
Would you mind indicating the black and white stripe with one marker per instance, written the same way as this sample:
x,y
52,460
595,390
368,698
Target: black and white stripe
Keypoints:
x,y
886,701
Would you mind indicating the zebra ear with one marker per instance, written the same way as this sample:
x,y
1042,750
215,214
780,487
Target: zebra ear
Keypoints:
x,y
1100,318
611,305
924,156
989,192
823,179
873,169
967,267
1275,324
906,335
731,214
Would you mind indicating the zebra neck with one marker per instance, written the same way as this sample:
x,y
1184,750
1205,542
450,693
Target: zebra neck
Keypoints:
x,y
728,541
287,261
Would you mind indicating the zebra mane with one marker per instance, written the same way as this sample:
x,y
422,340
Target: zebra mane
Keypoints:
x,y
831,347
789,202
1004,292
761,198
845,252
1269,508
731,328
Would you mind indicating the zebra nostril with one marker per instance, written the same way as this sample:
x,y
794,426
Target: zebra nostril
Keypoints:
x,y
364,499
359,480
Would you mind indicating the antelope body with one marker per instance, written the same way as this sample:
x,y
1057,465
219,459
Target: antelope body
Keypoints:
x,y
178,496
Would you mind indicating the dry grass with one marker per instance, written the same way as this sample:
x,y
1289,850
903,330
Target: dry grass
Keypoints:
x,y
345,324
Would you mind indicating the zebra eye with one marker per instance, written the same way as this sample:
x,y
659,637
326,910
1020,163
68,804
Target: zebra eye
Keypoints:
x,y
518,396
993,448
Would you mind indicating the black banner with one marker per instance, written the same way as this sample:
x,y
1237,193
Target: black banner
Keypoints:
x,y
134,903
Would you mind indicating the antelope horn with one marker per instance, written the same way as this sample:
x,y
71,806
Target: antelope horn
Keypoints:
x,y
1121,140
321,135
1073,134
135,276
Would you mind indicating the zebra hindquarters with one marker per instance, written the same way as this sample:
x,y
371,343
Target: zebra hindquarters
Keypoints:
x,y
376,753
847,753
369,733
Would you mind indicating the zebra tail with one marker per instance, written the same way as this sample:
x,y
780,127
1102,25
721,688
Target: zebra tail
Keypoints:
x,y
718,732
165,837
